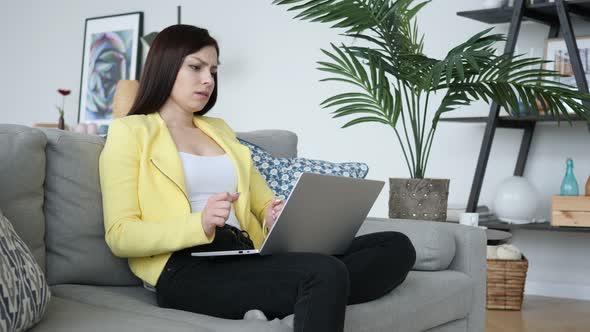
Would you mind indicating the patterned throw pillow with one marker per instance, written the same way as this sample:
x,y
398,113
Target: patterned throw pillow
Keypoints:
x,y
24,293
281,173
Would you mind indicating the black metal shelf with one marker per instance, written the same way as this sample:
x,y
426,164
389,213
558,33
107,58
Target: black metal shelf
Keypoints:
x,y
546,226
514,121
558,15
545,118
545,13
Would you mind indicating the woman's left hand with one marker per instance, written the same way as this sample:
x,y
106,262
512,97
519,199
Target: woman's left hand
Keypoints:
x,y
272,212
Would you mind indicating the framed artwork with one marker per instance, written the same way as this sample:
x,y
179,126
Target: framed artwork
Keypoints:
x,y
556,51
111,52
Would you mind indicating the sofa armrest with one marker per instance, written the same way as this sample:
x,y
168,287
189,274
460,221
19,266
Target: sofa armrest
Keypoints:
x,y
469,253
470,258
435,245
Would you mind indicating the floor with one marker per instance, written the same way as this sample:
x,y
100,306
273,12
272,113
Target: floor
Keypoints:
x,y
542,314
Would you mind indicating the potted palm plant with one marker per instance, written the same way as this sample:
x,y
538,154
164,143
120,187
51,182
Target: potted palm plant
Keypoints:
x,y
393,81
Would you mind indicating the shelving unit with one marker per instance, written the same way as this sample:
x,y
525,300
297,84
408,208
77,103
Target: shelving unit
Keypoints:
x,y
513,121
544,13
558,15
546,226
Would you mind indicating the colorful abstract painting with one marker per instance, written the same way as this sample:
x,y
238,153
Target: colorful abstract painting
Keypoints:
x,y
110,58
111,53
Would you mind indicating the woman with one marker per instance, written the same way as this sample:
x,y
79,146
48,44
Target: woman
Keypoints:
x,y
174,181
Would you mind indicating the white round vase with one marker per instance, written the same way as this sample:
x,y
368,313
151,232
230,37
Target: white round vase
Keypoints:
x,y
516,201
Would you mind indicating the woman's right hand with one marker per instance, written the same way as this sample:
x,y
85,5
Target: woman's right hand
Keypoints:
x,y
217,211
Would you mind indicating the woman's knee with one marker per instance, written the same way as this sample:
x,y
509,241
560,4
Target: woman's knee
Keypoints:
x,y
401,246
402,240
329,270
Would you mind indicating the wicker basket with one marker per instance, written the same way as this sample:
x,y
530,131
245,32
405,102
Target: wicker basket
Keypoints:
x,y
505,283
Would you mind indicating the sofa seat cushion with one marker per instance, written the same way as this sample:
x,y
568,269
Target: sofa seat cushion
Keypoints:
x,y
423,301
459,325
66,315
22,173
434,241
139,300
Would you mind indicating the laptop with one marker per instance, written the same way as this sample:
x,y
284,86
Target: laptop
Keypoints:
x,y
322,214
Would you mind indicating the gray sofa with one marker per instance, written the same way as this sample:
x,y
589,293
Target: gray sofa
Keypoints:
x,y
49,189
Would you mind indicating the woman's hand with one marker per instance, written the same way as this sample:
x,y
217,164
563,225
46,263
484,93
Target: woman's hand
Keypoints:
x,y
272,212
216,211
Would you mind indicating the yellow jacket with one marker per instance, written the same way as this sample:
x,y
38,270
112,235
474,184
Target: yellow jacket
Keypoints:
x,y
147,214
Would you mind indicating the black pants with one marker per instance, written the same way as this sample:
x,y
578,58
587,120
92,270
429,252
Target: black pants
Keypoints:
x,y
315,287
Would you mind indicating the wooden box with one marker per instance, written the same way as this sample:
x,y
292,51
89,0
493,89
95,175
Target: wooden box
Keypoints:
x,y
570,211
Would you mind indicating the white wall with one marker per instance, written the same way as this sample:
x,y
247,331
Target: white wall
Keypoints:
x,y
268,80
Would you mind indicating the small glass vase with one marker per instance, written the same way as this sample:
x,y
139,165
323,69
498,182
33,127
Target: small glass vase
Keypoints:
x,y
569,185
61,123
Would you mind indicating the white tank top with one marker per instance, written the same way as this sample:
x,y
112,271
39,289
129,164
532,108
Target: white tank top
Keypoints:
x,y
208,175
205,176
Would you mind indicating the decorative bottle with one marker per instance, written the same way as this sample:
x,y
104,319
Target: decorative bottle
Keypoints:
x,y
588,186
569,185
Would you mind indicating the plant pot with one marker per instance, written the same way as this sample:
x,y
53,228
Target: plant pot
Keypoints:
x,y
420,199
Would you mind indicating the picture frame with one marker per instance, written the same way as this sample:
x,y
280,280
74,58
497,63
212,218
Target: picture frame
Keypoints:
x,y
557,52
111,52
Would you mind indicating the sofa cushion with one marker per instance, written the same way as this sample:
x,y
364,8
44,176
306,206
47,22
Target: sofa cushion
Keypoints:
x,y
281,174
139,300
434,242
279,143
424,300
24,293
65,315
458,325
76,248
22,172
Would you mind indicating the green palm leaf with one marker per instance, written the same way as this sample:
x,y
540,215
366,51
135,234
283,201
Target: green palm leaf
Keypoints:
x,y
393,77
355,16
365,119
464,60
503,81
374,98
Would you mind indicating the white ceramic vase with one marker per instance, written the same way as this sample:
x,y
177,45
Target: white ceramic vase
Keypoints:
x,y
516,201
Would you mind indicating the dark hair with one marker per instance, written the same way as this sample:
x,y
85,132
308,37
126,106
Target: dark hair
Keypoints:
x,y
164,60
